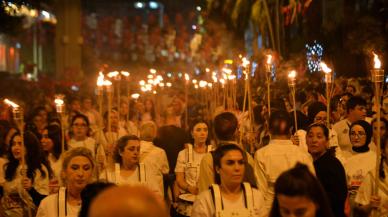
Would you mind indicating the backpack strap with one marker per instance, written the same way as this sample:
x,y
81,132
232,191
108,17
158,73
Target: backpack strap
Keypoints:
x,y
217,199
190,154
62,205
142,173
117,174
248,195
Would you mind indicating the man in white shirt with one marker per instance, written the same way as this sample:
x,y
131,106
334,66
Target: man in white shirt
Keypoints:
x,y
356,110
278,156
152,156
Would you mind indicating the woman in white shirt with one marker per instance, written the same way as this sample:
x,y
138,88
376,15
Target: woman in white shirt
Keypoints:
x,y
25,185
362,161
127,170
77,172
230,196
79,137
188,165
365,198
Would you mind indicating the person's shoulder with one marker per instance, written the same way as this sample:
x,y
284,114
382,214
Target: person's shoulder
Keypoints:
x,y
340,123
49,200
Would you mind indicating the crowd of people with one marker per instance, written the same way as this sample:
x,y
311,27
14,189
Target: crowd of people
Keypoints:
x,y
143,159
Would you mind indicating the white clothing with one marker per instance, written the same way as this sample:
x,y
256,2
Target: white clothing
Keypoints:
x,y
130,127
156,159
357,167
342,128
190,166
106,139
275,158
191,170
366,191
204,205
134,179
49,208
88,143
56,166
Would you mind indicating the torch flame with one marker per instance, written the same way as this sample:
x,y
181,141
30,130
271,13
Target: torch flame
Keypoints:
x,y
100,79
10,103
377,61
107,83
59,100
152,71
292,74
113,74
325,68
135,96
187,77
269,59
245,62
125,73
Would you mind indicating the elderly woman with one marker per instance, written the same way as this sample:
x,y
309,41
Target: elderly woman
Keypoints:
x,y
328,168
230,196
25,185
77,172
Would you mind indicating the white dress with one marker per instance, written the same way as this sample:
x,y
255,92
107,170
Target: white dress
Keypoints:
x,y
204,205
49,208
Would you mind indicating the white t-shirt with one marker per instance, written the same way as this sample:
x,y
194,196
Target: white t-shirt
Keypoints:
x,y
88,143
342,129
275,158
156,159
191,170
49,208
357,167
204,205
366,191
134,179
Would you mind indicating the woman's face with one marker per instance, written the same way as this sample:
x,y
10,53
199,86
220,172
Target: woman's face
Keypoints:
x,y
320,117
80,128
200,133
296,206
382,129
148,105
131,153
46,142
357,136
232,168
316,141
78,172
17,147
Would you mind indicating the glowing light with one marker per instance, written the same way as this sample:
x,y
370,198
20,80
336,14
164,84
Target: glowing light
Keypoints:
x,y
139,5
231,77
202,83
10,103
58,101
153,71
135,96
194,81
207,70
210,85
107,83
159,77
142,82
377,62
100,79
198,8
245,62
187,77
292,74
196,86
150,81
161,85
125,73
269,59
168,84
227,70
154,92
228,61
194,27
153,5
314,56
113,74
325,68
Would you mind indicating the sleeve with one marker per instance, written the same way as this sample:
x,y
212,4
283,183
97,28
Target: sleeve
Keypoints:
x,y
206,173
365,191
164,167
180,162
262,181
258,198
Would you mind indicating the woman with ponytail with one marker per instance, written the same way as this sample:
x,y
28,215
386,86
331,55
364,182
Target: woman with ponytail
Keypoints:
x,y
366,199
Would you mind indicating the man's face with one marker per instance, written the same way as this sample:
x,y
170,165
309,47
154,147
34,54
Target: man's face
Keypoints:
x,y
359,112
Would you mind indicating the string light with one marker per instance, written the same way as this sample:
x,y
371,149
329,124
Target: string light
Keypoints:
x,y
314,56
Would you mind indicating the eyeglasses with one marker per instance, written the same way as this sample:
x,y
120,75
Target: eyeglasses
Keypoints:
x,y
80,125
359,135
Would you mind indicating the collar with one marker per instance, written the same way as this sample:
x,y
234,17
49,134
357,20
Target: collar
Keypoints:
x,y
280,142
